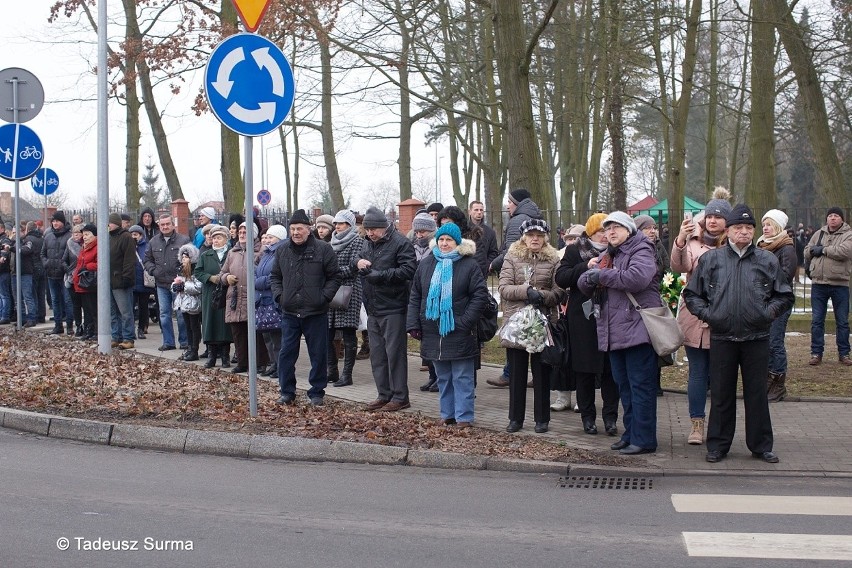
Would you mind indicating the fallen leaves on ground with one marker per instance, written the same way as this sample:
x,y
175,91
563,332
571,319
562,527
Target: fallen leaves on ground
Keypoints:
x,y
59,375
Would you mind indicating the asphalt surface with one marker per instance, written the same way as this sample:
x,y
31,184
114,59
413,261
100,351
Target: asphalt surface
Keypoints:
x,y
812,437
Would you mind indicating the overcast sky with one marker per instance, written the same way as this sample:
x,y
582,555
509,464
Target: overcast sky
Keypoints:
x,y
68,130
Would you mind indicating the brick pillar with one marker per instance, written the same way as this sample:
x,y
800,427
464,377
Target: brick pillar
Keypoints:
x,y
6,205
182,217
407,210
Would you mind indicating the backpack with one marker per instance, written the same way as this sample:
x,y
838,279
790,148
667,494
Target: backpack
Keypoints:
x,y
486,327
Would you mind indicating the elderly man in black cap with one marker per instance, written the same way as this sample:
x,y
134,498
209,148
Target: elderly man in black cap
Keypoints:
x,y
738,289
828,259
304,279
386,265
55,241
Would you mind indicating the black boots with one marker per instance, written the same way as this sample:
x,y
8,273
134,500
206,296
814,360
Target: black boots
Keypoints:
x,y
364,352
776,390
225,351
212,355
349,354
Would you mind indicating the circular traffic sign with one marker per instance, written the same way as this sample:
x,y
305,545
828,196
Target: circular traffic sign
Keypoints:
x,y
45,181
264,197
21,152
23,85
249,84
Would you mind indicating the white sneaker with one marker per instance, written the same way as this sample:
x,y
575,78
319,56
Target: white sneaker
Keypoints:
x,y
562,401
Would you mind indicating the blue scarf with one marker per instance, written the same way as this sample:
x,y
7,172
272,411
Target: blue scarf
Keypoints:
x,y
439,302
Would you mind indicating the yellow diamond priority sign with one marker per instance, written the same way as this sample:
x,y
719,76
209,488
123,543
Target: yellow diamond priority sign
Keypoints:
x,y
251,12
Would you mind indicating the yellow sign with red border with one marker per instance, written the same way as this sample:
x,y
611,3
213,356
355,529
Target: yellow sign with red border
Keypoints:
x,y
251,12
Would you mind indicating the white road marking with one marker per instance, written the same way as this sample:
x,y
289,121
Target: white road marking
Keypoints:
x,y
769,545
763,504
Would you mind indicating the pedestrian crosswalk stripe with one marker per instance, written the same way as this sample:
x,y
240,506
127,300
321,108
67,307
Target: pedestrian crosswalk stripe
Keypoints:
x,y
763,504
769,545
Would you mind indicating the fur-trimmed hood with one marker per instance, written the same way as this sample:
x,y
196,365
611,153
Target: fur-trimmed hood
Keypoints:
x,y
520,250
466,248
190,250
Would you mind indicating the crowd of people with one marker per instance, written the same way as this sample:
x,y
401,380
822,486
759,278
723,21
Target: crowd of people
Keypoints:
x,y
431,285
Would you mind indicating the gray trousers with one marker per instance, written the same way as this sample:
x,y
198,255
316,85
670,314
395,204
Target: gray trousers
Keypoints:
x,y
389,356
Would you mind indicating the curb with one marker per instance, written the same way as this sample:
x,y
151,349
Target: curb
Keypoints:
x,y
256,446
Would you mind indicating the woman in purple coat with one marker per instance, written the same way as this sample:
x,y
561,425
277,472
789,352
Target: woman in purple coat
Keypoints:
x,y
627,266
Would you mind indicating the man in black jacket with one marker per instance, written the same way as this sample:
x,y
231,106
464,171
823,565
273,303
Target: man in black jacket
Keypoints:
x,y
486,247
738,289
55,241
304,279
387,265
122,279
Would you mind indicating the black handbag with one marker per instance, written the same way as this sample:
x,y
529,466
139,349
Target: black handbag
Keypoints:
x,y
220,295
88,278
557,355
486,326
341,298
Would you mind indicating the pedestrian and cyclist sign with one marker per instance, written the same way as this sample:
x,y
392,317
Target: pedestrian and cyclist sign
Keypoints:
x,y
45,181
21,152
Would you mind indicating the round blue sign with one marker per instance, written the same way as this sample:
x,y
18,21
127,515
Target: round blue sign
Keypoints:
x,y
249,84
45,181
21,152
264,197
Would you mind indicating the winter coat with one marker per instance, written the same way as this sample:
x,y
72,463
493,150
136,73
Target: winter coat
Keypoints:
x,y
304,278
582,332
161,257
236,306
834,267
387,283
486,248
470,295
526,209
513,284
786,255
69,260
5,254
213,327
684,259
31,245
139,282
188,300
86,260
122,259
737,296
631,268
350,316
52,250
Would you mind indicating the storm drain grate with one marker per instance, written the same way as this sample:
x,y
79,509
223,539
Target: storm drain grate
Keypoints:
x,y
595,482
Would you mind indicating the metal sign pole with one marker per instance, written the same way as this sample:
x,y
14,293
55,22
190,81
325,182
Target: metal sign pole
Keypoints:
x,y
250,292
18,297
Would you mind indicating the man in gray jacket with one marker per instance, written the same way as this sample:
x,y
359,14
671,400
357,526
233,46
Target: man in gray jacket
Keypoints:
x,y
161,260
828,259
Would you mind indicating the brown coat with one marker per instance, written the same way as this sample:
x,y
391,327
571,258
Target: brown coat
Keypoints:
x,y
513,285
235,263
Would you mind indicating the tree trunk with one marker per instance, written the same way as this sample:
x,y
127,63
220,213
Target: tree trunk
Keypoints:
x,y
132,105
713,100
233,189
332,175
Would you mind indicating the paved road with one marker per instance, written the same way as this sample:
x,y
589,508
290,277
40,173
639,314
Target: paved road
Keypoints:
x,y
238,512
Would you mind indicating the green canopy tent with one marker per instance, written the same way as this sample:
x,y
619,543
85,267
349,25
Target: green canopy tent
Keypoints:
x,y
660,211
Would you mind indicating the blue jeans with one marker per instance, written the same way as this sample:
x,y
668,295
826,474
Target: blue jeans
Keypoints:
x,y
455,388
699,379
6,301
777,351
165,298
820,294
27,296
60,302
315,330
634,370
121,312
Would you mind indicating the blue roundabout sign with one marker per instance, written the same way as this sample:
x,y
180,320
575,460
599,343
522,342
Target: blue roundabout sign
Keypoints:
x,y
249,84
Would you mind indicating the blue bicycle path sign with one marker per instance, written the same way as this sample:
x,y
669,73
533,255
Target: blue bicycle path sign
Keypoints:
x,y
45,181
249,84
21,152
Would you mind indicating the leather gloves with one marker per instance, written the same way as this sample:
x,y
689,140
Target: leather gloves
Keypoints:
x,y
816,250
593,276
534,297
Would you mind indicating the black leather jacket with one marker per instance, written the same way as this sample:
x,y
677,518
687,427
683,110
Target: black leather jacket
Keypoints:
x,y
738,297
388,282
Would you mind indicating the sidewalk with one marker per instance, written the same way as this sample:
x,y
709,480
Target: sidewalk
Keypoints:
x,y
811,437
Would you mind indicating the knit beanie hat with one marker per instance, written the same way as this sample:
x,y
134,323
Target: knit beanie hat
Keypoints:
x,y
644,221
534,225
300,218
90,227
115,219
423,222
595,223
778,216
58,216
836,211
434,207
277,231
345,216
740,215
519,195
326,220
719,204
136,229
375,219
208,212
621,218
451,230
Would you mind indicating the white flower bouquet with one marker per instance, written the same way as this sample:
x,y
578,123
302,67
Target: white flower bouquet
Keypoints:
x,y
527,329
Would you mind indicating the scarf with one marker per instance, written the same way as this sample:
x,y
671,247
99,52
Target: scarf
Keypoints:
x,y
775,242
439,302
220,252
339,241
